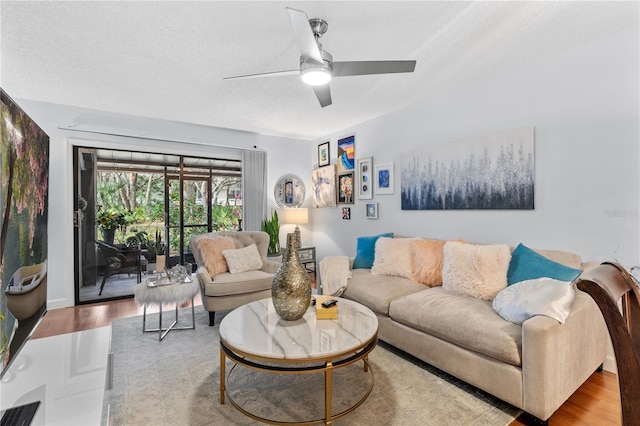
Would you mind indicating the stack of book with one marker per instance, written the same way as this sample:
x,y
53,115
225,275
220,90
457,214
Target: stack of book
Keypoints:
x,y
323,313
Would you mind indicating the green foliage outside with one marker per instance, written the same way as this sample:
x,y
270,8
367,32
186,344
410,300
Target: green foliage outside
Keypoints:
x,y
140,199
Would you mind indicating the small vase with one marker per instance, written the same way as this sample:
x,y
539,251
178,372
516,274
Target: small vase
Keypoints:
x,y
108,235
160,263
291,287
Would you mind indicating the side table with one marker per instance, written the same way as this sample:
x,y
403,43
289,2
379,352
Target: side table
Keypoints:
x,y
165,294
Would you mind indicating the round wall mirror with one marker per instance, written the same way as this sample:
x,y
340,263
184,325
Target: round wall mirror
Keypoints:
x,y
289,191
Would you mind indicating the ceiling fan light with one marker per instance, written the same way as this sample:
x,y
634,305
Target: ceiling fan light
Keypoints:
x,y
315,76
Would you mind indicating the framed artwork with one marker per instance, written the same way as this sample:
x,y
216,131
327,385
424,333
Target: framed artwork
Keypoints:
x,y
345,188
323,181
383,179
365,172
323,154
484,172
371,211
347,153
346,213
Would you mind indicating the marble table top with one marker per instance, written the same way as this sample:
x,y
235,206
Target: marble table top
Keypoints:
x,y
256,329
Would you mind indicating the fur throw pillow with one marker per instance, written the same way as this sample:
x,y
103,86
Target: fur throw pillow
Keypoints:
x,y
475,270
393,257
428,258
211,251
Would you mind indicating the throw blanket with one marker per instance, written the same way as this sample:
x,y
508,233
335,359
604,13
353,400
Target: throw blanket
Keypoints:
x,y
334,273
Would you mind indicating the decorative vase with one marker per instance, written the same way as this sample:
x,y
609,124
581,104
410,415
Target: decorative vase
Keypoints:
x,y
108,235
291,287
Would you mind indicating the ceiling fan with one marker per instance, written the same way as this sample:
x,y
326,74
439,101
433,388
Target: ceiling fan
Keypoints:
x,y
317,66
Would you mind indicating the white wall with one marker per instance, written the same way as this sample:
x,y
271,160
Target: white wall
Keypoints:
x,y
584,105
198,140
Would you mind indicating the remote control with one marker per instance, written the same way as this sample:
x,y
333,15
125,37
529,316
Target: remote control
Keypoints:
x,y
329,303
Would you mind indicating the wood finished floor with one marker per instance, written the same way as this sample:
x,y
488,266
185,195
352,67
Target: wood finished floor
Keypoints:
x,y
595,403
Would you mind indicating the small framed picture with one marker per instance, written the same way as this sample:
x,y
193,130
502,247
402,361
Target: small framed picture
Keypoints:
x,y
371,210
365,172
346,213
345,188
323,154
383,179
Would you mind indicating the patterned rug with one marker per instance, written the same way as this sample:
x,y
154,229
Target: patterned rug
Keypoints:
x,y
176,382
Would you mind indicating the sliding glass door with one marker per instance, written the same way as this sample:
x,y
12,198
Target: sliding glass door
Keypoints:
x,y
131,207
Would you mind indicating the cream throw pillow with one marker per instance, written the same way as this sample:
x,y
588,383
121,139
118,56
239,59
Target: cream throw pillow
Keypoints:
x,y
475,270
244,259
211,251
393,257
428,258
542,296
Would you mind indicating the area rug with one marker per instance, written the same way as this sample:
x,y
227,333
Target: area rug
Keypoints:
x,y
176,382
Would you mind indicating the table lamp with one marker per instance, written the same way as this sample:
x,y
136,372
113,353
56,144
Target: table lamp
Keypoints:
x,y
296,216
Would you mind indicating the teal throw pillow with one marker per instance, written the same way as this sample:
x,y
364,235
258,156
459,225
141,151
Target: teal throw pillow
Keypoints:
x,y
526,264
366,251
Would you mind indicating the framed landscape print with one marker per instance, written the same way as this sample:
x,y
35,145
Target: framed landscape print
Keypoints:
x,y
323,181
345,188
323,154
383,179
365,184
371,211
347,153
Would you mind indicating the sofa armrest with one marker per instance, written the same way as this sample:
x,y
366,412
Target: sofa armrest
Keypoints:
x,y
558,358
270,266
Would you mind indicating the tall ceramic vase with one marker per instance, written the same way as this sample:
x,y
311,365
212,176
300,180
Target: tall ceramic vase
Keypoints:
x,y
291,287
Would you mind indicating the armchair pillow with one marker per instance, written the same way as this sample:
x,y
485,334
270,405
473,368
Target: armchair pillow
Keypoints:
x,y
475,270
244,259
211,250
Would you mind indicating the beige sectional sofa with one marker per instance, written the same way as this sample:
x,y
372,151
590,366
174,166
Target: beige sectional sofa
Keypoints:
x,y
535,366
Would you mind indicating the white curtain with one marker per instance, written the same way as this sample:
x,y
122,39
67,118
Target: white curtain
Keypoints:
x,y
254,189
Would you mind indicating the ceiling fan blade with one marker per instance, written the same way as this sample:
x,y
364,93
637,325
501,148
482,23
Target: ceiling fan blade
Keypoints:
x,y
347,68
323,94
303,35
264,74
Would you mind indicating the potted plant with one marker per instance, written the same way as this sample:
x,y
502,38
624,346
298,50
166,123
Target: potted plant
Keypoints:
x,y
272,227
108,222
156,249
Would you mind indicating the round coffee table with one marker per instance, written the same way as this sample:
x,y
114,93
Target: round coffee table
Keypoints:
x,y
254,336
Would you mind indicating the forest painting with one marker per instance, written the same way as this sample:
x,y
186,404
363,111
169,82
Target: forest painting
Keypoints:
x,y
491,172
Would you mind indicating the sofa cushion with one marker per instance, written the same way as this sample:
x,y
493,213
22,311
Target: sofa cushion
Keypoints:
x,y
243,282
377,291
211,252
428,259
475,270
465,321
527,264
366,250
243,259
393,257
543,296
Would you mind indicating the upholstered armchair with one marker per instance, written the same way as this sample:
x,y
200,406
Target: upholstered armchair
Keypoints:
x,y
246,277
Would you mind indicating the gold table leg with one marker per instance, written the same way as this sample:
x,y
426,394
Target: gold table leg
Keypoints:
x,y
223,364
328,386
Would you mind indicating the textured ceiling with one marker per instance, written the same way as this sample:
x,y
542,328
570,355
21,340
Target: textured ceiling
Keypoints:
x,y
167,59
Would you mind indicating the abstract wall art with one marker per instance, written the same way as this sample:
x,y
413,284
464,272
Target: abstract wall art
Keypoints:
x,y
490,172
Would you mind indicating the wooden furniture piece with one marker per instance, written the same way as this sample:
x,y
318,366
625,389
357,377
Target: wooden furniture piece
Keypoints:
x,y
255,337
607,284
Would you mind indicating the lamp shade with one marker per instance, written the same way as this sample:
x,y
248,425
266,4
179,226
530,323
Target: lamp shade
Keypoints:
x,y
295,216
